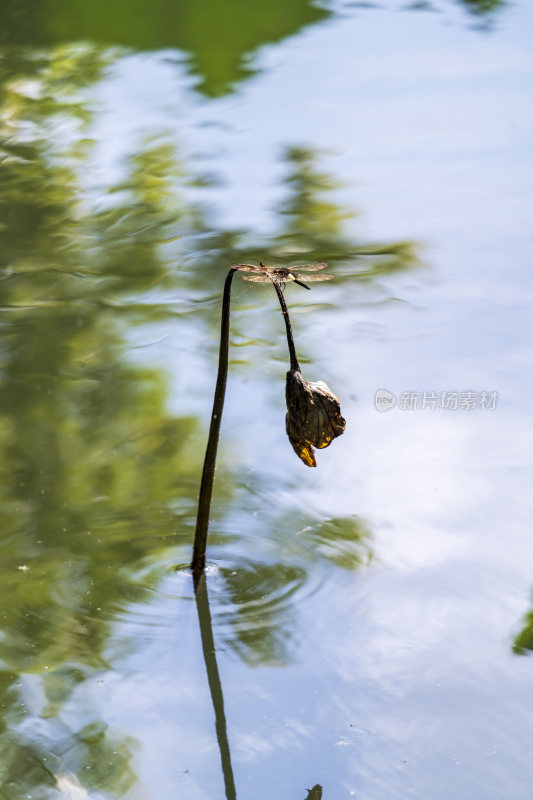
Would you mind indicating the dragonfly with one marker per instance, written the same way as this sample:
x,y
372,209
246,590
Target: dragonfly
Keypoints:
x,y
282,275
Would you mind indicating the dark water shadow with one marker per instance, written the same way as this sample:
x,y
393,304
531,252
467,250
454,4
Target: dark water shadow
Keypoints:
x,y
215,686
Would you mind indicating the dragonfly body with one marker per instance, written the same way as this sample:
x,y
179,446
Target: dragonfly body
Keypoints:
x,y
282,275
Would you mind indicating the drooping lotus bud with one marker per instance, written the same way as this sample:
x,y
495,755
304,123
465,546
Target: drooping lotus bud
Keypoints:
x,y
313,416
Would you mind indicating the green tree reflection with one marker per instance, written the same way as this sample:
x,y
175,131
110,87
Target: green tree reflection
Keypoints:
x,y
96,475
220,36
523,642
478,8
484,7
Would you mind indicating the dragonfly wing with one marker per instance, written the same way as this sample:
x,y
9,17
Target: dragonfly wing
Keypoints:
x,y
315,278
256,278
248,267
309,267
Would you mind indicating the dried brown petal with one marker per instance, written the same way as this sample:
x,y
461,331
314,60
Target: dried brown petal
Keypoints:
x,y
313,416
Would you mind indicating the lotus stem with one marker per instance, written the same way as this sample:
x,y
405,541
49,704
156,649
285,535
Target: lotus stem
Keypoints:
x,y
288,328
208,474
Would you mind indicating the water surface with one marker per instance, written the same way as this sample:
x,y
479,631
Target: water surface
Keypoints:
x,y
372,618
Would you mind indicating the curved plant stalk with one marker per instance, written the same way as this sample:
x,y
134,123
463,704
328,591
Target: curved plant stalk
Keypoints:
x,y
208,473
288,327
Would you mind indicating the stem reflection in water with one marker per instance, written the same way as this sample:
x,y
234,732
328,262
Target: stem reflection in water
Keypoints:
x,y
213,678
215,689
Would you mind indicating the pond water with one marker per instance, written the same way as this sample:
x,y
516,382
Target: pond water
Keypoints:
x,y
371,619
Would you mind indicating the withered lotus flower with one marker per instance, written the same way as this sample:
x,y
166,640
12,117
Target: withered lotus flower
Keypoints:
x,y
313,416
